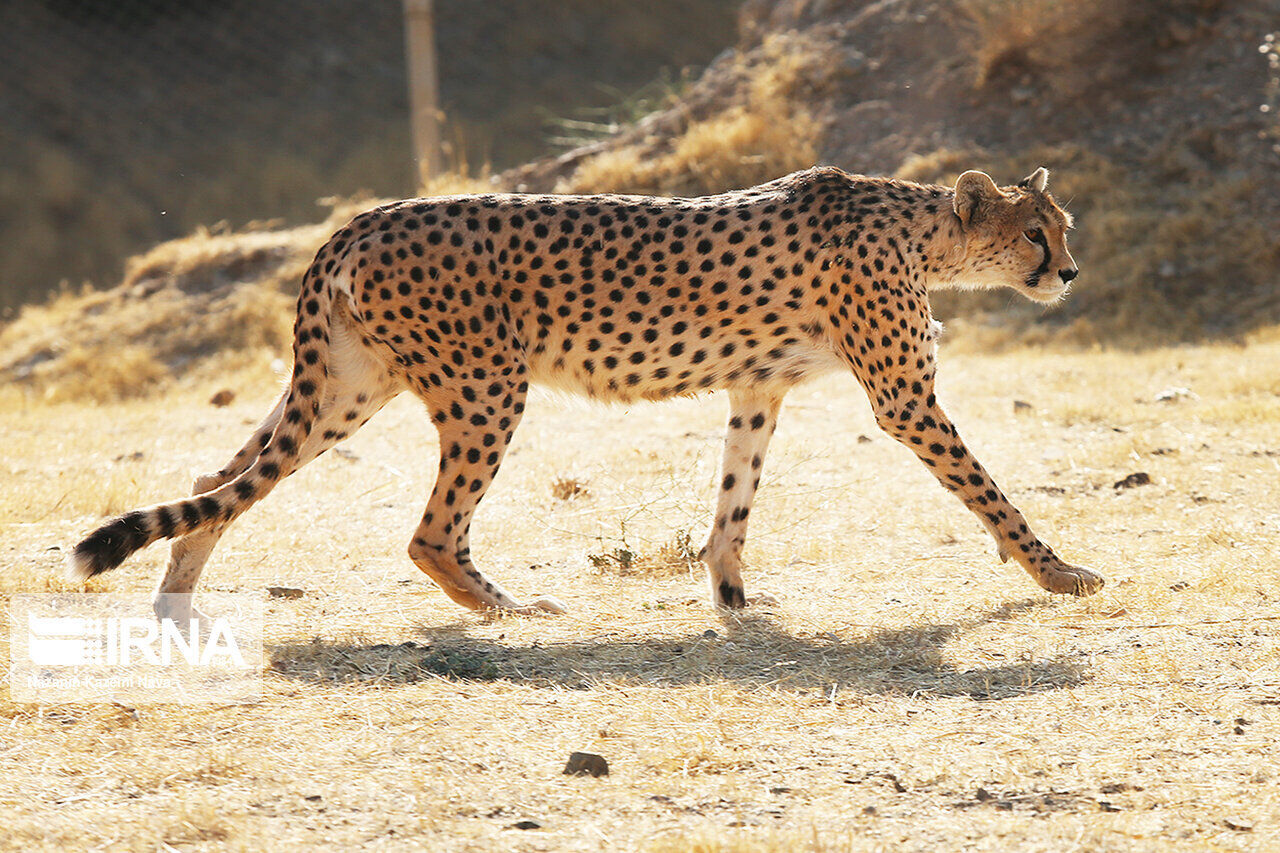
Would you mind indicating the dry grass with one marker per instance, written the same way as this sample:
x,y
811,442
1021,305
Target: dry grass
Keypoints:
x,y
909,692
196,306
1076,47
767,135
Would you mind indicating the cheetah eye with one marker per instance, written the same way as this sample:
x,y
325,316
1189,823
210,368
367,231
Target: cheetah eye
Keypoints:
x,y
1033,235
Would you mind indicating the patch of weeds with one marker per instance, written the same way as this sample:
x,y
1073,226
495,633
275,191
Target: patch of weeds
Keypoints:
x,y
568,488
620,558
677,556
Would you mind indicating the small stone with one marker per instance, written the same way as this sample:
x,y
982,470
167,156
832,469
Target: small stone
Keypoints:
x,y
1137,478
222,398
525,824
1179,586
709,634
982,795
1175,392
864,439
288,592
1107,806
1238,824
1022,407
586,764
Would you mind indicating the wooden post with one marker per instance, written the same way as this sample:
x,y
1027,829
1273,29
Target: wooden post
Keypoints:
x,y
420,54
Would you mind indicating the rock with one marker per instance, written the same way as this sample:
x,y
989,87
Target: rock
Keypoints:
x,y
1175,392
222,398
1022,407
1137,478
586,764
525,824
288,592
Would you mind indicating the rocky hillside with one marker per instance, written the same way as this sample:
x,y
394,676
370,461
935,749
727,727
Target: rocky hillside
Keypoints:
x,y
1158,118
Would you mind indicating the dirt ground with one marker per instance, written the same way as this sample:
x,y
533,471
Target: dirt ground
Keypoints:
x,y
907,692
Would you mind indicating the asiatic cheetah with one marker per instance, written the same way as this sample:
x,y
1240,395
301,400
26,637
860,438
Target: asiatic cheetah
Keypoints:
x,y
465,300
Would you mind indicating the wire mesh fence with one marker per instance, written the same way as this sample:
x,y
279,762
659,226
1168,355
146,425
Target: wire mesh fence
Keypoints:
x,y
125,122
134,120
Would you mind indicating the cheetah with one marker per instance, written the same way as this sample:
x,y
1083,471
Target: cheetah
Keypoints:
x,y
466,300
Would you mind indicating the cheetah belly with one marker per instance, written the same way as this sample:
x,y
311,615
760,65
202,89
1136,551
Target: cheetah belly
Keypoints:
x,y
625,372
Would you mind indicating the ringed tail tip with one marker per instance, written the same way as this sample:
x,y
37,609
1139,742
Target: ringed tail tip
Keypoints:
x,y
107,547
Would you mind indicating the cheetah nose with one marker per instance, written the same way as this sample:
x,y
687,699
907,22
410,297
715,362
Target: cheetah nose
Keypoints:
x,y
1067,275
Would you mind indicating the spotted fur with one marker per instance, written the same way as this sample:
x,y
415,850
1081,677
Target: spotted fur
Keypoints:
x,y
464,301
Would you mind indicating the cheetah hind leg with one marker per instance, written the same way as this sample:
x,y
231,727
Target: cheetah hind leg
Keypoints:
x,y
752,419
358,388
472,444
174,596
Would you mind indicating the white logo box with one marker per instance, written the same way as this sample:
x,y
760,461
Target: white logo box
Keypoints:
x,y
81,647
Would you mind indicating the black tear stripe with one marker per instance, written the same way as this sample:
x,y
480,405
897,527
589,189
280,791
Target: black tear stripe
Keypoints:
x,y
1034,278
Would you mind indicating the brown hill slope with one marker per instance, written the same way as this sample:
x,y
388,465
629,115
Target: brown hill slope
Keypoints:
x,y
1159,120
1158,117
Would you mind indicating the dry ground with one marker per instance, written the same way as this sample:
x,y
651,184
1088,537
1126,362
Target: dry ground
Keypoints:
x,y
908,692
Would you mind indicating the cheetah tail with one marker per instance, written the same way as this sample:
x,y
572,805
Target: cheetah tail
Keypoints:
x,y
113,542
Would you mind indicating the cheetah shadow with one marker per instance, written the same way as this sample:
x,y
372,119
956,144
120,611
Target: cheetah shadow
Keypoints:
x,y
753,651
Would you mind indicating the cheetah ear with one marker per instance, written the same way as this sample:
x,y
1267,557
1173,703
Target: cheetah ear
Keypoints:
x,y
973,190
1037,180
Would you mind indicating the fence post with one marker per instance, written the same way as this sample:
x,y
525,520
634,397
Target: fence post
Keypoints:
x,y
420,54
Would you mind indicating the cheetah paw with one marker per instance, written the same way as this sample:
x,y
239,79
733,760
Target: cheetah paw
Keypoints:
x,y
544,606
741,601
1071,580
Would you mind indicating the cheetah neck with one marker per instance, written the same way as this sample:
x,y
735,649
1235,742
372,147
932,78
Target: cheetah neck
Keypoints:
x,y
913,222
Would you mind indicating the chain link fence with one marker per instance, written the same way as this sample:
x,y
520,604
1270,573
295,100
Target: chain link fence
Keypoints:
x,y
125,122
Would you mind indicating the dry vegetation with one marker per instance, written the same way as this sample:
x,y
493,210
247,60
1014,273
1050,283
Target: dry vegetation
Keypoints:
x,y
202,304
908,692
1079,46
767,134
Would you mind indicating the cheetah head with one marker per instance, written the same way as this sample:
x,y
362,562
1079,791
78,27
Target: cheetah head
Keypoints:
x,y
1014,236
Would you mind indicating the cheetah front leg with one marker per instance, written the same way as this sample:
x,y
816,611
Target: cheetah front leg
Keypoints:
x,y
919,423
752,419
